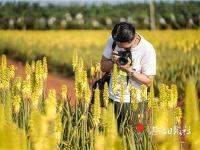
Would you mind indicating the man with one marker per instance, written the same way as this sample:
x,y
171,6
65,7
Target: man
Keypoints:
x,y
143,60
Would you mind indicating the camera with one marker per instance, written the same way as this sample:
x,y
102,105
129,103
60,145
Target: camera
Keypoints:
x,y
124,55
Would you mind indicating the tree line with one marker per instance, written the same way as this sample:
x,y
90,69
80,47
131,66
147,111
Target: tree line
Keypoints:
x,y
24,15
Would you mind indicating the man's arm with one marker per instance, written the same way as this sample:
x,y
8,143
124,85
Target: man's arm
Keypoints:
x,y
106,64
142,78
148,68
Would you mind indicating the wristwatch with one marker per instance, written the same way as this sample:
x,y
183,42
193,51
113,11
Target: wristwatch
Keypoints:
x,y
130,74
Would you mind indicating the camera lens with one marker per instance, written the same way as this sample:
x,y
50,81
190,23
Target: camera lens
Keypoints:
x,y
123,60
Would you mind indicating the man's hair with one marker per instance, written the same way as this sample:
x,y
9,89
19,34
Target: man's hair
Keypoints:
x,y
123,32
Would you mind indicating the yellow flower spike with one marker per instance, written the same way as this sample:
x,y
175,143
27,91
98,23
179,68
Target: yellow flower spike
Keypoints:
x,y
5,85
122,92
3,62
61,102
16,103
151,98
130,86
1,86
113,140
18,83
58,128
106,95
170,99
79,79
97,110
39,87
80,64
103,117
84,80
111,121
92,71
168,96
11,135
191,104
38,71
87,96
50,104
174,94
64,92
7,74
99,143
143,92
77,93
26,89
178,115
162,96
38,130
33,66
134,100
76,83
4,78
114,79
45,68
35,99
11,73
28,71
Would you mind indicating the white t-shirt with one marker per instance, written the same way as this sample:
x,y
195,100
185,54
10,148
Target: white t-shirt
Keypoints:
x,y
144,62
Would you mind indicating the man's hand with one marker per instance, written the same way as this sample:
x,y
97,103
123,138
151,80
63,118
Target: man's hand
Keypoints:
x,y
127,68
115,57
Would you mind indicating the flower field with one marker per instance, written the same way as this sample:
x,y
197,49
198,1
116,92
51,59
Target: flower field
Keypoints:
x,y
177,51
34,119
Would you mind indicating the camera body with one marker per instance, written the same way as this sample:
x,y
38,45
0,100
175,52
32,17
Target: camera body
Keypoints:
x,y
124,55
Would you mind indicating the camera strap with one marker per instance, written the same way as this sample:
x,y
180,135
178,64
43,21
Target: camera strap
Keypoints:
x,y
113,45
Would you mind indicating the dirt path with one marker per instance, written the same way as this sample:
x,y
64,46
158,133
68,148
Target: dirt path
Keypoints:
x,y
53,81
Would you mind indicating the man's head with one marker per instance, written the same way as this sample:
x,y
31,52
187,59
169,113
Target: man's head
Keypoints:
x,y
123,33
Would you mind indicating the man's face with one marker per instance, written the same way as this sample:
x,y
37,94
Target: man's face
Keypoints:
x,y
125,45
